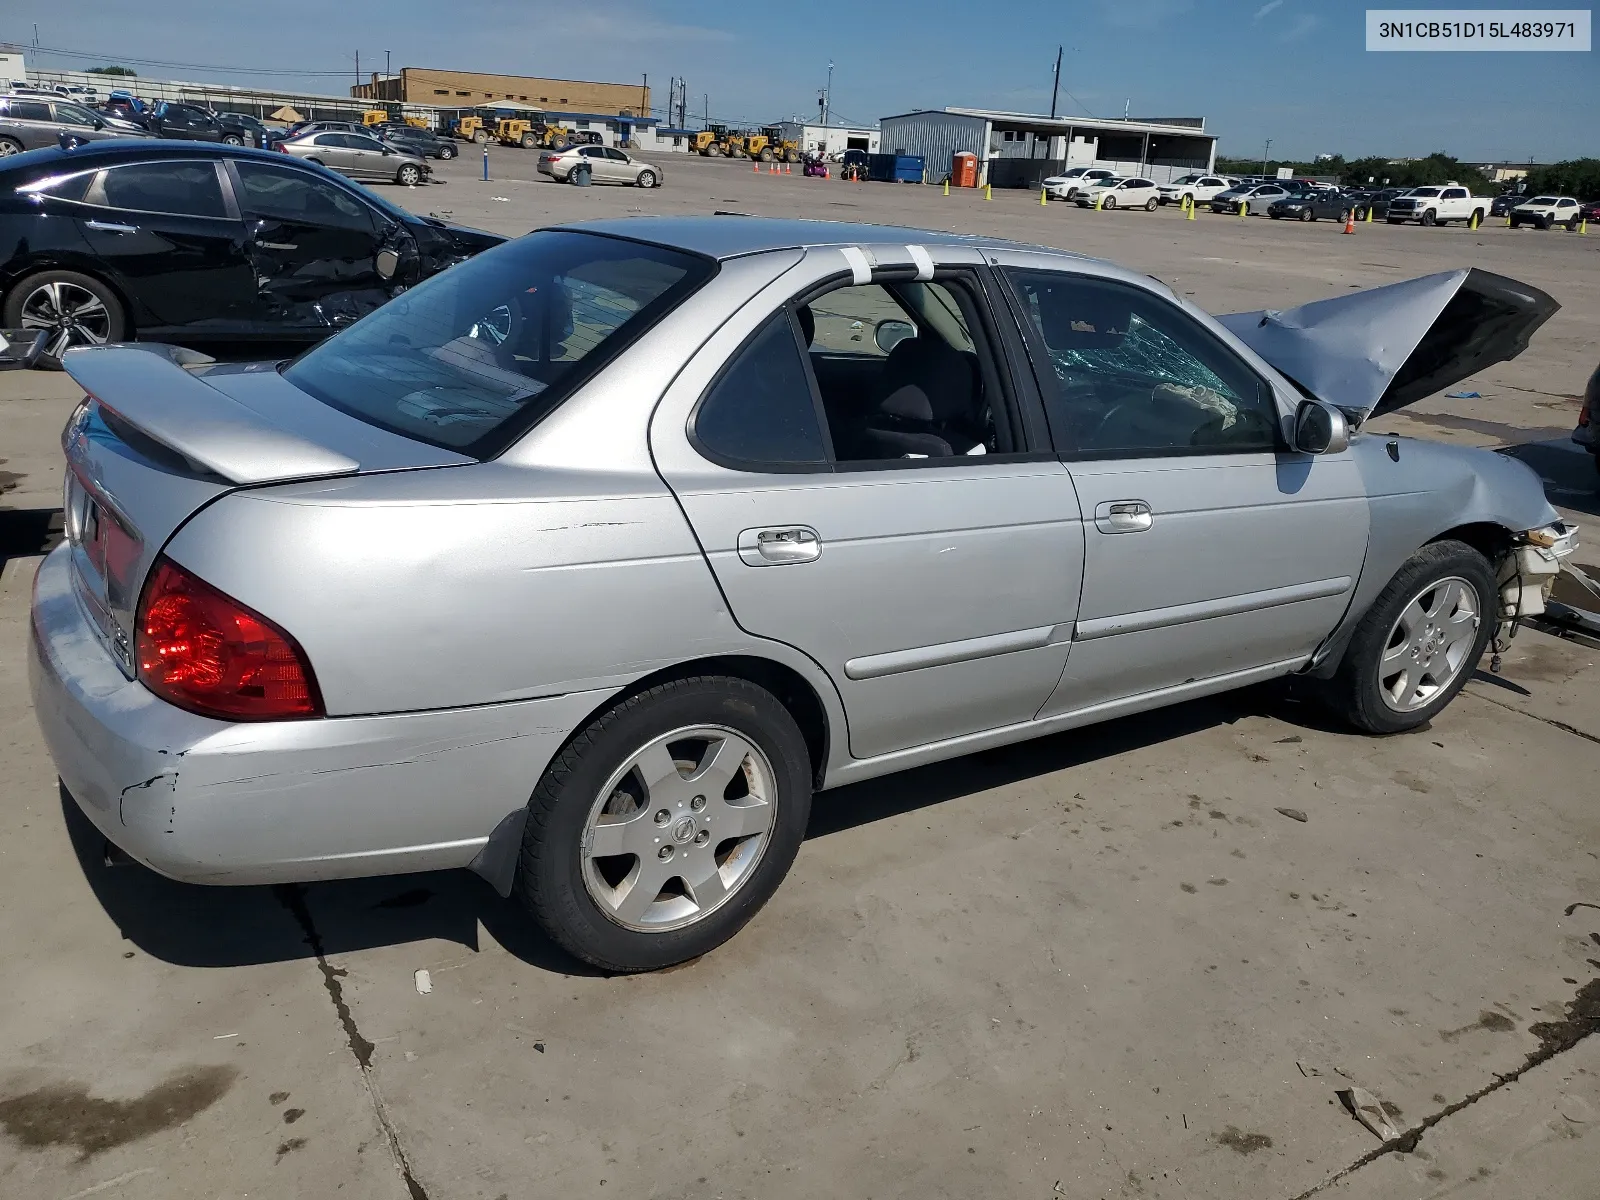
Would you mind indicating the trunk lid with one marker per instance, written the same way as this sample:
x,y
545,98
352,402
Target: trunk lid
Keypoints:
x,y
1381,349
162,433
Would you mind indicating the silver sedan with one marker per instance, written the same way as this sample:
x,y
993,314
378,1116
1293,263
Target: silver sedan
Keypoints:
x,y
585,563
360,157
605,164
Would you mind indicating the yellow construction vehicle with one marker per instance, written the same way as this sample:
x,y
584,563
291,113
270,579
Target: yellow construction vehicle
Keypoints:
x,y
418,122
473,125
712,142
782,149
516,131
375,116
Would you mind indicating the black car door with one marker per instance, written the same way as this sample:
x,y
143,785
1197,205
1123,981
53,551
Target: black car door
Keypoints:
x,y
323,257
169,238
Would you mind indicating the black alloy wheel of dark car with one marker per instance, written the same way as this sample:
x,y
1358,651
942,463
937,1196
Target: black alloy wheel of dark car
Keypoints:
x,y
665,824
447,151
1419,642
75,309
409,175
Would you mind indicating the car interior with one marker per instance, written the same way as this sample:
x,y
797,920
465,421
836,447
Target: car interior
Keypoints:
x,y
904,371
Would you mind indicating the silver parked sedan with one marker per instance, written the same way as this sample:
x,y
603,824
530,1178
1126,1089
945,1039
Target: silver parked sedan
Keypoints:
x,y
605,164
360,157
584,563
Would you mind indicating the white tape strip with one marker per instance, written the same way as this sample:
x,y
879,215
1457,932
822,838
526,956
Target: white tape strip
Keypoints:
x,y
860,269
924,261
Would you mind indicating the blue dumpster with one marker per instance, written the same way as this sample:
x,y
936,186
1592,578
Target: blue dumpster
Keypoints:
x,y
895,168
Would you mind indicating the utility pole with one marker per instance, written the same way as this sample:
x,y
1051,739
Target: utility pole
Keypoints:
x,y
827,105
644,96
708,110
358,68
1055,87
1266,154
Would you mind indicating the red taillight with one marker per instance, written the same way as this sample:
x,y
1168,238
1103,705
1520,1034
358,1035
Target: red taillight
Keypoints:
x,y
205,652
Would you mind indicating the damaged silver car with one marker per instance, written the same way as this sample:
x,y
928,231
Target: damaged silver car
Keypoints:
x,y
584,564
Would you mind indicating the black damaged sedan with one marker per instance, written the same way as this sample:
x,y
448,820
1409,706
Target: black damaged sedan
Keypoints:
x,y
202,244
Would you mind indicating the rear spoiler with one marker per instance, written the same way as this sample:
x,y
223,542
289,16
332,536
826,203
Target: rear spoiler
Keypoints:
x,y
1381,349
148,388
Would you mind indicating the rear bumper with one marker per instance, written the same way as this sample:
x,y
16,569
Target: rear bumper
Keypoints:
x,y
208,801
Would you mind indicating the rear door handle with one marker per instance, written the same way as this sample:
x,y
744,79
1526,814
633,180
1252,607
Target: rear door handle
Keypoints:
x,y
110,227
778,547
1123,516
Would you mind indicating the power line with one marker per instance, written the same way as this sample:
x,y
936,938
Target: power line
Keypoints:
x,y
156,62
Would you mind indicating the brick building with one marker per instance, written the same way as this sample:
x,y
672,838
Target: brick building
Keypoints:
x,y
467,89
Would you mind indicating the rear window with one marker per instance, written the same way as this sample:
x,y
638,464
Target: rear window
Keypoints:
x,y
483,351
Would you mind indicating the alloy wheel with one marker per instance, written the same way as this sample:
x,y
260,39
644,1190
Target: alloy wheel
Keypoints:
x,y
679,828
1429,644
75,315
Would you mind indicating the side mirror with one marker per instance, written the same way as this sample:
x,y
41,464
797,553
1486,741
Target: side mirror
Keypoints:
x,y
21,348
1320,428
890,334
387,262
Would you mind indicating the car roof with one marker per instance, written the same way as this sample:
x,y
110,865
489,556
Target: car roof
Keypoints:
x,y
732,236
116,149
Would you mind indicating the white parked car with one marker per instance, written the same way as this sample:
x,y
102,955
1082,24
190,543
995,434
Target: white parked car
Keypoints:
x,y
1067,185
1542,212
1437,206
1197,188
605,164
1121,193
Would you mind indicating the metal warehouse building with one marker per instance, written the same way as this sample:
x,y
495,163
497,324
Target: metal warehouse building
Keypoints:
x,y
1020,149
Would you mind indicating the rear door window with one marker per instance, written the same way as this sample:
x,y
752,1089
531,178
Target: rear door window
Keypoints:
x,y
189,189
29,110
478,354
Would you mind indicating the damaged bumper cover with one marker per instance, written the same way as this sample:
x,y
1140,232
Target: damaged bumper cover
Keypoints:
x,y
206,801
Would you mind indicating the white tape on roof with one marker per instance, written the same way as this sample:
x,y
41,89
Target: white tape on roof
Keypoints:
x,y
856,259
923,259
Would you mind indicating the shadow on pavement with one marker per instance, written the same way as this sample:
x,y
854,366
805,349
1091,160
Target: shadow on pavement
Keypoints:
x,y
25,531
196,926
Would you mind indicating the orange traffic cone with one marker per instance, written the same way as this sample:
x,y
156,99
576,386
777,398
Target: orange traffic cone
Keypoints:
x,y
772,168
786,169
1350,221
755,166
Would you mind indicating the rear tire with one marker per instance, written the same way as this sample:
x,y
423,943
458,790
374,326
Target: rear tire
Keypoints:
x,y
583,900
9,146
42,296
233,139
1363,690
481,137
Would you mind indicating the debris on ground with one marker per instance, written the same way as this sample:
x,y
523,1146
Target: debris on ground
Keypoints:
x,y
1465,396
1294,814
424,982
1364,1107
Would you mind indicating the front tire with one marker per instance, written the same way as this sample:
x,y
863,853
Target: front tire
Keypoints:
x,y
1430,217
1109,203
1307,215
666,824
647,179
1149,206
481,137
408,175
78,309
1419,642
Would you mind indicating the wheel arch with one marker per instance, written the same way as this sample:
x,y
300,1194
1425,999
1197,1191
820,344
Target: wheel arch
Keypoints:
x,y
497,861
132,313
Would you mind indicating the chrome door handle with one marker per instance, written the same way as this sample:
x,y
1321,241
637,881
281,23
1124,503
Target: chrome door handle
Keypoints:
x,y
110,227
1123,516
777,547
278,245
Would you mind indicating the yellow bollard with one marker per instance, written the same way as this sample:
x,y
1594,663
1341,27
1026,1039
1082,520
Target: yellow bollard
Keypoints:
x,y
946,187
1044,197
1583,228
1244,208
1472,221
988,191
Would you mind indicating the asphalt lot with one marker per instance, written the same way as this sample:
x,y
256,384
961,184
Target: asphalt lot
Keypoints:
x,y
1098,965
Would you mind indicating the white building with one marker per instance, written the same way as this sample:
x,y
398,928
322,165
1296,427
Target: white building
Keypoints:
x,y
1020,149
830,139
13,67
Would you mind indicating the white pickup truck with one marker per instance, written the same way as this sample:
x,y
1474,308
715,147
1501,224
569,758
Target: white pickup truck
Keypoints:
x,y
1437,205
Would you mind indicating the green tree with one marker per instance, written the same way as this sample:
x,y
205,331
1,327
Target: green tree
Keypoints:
x,y
128,72
1578,177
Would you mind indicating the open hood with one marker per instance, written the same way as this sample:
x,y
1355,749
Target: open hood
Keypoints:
x,y
1381,349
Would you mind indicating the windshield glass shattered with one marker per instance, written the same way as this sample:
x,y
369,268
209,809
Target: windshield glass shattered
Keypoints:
x,y
484,350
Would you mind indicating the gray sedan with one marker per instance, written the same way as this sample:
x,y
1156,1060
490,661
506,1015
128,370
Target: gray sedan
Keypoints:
x,y
32,122
605,164
360,157
584,563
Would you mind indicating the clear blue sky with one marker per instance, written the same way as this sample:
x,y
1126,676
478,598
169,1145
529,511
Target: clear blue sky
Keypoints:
x,y
1293,70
